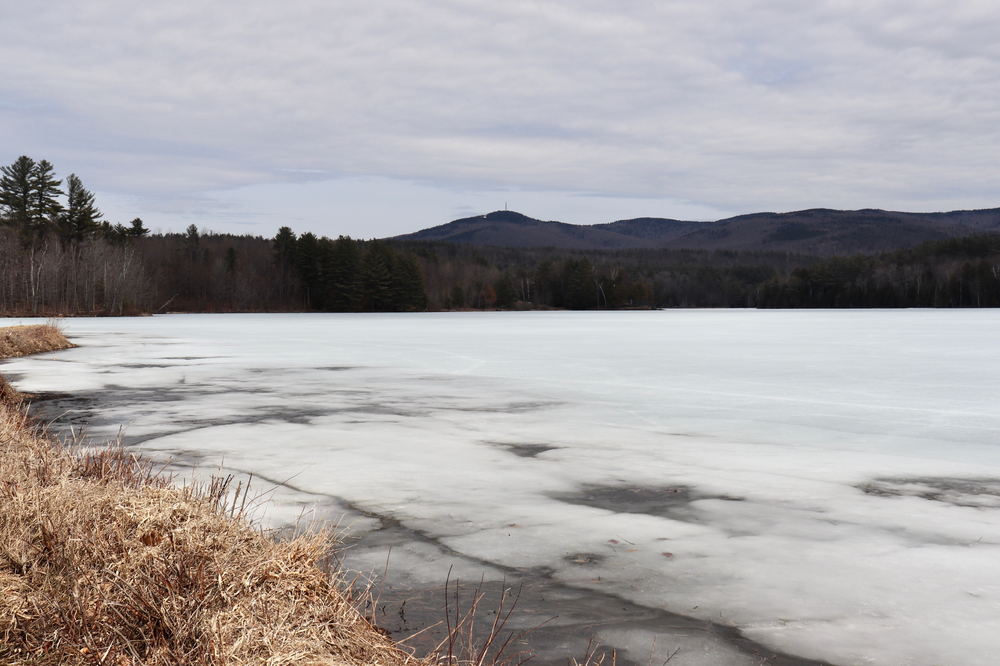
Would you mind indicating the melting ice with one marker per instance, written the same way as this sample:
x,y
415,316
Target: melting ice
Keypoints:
x,y
824,483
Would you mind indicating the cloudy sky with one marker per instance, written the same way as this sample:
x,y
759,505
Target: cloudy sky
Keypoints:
x,y
373,118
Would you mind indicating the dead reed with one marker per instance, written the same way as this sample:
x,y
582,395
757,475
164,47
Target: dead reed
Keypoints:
x,y
8,394
102,561
33,339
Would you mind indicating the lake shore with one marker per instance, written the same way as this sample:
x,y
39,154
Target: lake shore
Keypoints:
x,y
23,340
103,560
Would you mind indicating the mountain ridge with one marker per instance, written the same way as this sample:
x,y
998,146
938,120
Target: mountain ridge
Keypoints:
x,y
820,231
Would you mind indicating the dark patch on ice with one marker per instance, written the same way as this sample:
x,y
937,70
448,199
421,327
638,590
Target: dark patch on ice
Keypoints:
x,y
630,499
666,501
975,493
80,411
585,559
526,450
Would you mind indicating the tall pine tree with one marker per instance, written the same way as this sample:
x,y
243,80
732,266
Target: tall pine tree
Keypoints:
x,y
81,216
28,192
15,191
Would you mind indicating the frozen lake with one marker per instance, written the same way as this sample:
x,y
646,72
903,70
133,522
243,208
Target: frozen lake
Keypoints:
x,y
819,484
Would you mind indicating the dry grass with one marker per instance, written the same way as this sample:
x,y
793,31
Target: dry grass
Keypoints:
x,y
35,339
102,561
8,394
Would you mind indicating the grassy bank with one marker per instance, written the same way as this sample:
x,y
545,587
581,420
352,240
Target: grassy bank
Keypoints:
x,y
24,340
36,339
103,561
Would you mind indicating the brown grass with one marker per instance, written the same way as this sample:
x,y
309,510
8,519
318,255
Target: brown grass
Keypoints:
x,y
24,340
35,339
8,394
102,561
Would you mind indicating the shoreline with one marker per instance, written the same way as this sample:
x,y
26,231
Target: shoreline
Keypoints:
x,y
125,568
28,339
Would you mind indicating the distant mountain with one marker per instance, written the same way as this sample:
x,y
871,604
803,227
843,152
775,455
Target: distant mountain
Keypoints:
x,y
509,229
819,231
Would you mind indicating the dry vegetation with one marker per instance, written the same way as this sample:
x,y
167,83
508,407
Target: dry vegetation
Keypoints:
x,y
8,394
24,340
103,561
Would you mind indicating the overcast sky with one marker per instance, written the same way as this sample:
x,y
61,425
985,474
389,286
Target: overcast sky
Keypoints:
x,y
379,117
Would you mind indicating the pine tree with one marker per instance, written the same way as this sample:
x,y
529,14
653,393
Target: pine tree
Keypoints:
x,y
343,275
44,190
80,219
137,230
15,192
28,192
505,290
376,276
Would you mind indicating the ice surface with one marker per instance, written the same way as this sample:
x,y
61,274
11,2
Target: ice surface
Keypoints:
x,y
826,482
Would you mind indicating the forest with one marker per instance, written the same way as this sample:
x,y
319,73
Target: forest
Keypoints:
x,y
58,256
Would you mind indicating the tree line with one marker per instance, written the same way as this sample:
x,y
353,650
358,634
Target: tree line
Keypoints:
x,y
951,273
56,253
345,275
464,276
954,272
59,256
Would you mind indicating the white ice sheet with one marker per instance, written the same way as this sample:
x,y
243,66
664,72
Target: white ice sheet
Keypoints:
x,y
839,467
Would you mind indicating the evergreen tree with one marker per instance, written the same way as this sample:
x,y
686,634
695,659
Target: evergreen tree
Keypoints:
x,y
284,247
376,276
407,283
28,192
343,275
81,216
15,192
505,290
44,190
578,278
457,296
116,233
193,240
307,265
136,229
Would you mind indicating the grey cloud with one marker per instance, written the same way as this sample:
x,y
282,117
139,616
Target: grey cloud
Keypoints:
x,y
734,105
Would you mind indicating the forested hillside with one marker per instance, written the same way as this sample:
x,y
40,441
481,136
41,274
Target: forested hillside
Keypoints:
x,y
959,272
